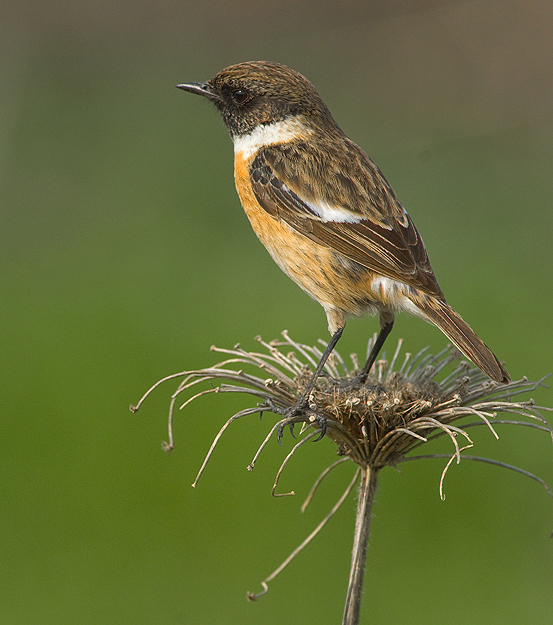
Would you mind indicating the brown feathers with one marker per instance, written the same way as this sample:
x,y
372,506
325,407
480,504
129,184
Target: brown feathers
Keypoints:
x,y
462,336
380,237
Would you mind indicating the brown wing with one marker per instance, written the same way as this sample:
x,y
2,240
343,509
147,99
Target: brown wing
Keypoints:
x,y
373,228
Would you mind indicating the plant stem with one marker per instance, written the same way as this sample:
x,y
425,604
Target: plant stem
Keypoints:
x,y
367,489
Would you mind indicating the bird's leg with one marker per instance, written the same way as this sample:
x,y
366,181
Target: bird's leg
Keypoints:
x,y
386,325
301,404
302,401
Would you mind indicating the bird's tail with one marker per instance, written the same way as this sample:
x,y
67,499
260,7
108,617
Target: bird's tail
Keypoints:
x,y
462,336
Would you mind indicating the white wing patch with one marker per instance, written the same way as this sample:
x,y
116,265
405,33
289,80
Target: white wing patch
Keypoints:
x,y
285,131
327,212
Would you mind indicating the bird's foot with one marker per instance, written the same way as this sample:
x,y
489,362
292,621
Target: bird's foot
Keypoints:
x,y
298,413
360,381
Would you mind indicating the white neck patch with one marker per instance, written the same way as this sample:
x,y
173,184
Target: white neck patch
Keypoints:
x,y
268,134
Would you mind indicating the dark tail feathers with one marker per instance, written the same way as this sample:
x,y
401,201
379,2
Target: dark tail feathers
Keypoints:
x,y
462,336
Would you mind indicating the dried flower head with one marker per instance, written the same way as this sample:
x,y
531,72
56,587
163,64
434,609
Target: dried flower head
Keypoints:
x,y
402,406
406,402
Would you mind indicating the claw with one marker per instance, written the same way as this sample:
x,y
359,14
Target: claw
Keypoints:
x,y
279,434
289,417
280,431
322,424
291,427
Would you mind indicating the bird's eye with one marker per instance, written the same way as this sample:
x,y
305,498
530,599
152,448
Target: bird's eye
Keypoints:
x,y
240,95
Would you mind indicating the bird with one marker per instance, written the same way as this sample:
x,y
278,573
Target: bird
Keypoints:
x,y
325,212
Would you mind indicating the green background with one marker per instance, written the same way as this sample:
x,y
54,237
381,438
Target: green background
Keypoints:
x,y
125,255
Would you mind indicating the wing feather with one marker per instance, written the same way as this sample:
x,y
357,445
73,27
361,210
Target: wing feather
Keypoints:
x,y
370,225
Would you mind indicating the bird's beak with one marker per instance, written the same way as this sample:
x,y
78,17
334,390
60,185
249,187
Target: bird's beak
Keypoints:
x,y
199,88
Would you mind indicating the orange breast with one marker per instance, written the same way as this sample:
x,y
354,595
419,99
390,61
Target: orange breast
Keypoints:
x,y
315,268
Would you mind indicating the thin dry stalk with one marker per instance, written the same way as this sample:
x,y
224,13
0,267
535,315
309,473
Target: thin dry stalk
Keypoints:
x,y
306,541
367,490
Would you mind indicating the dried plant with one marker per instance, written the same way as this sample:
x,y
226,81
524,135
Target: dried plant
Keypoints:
x,y
403,406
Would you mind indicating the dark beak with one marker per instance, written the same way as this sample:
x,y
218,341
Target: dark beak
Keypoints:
x,y
199,88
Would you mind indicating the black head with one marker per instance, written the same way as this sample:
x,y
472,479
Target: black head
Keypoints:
x,y
259,92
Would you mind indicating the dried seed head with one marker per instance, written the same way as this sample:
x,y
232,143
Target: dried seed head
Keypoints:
x,y
377,424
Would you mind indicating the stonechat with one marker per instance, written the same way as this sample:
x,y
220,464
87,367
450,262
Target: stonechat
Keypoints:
x,y
325,212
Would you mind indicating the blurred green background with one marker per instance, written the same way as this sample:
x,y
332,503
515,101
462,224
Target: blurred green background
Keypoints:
x,y
125,255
